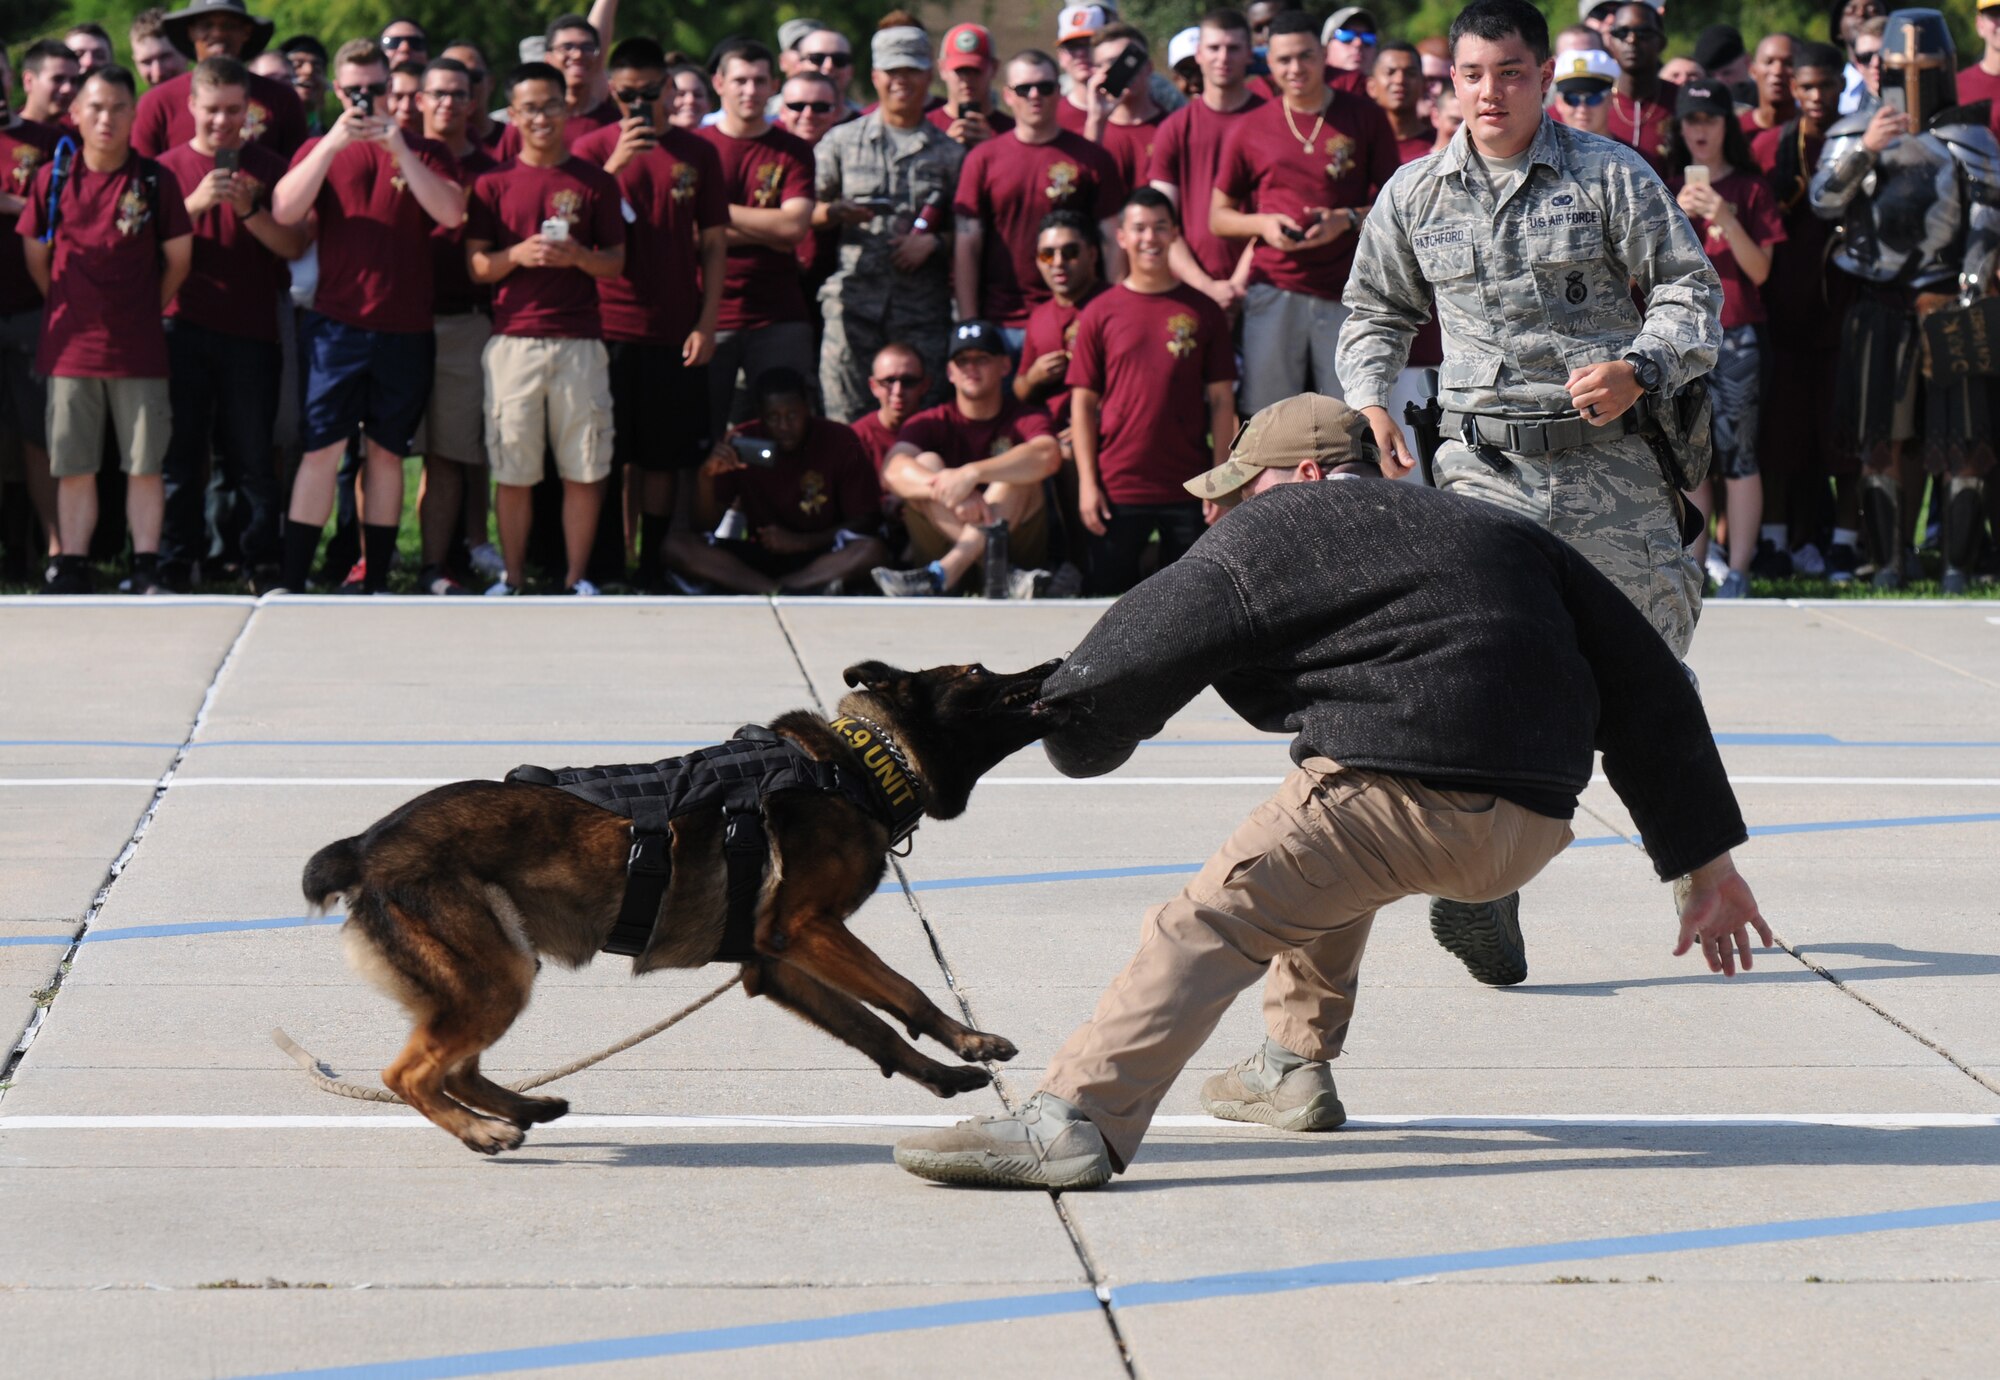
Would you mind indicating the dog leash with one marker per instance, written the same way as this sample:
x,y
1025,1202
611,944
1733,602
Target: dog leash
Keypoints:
x,y
329,1082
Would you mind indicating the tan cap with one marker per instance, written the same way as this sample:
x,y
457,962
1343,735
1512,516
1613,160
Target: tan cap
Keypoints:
x,y
1310,426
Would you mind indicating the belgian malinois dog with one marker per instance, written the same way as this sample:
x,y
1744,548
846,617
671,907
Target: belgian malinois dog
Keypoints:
x,y
453,899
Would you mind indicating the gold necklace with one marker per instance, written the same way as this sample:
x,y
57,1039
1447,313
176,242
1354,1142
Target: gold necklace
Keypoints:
x,y
1305,140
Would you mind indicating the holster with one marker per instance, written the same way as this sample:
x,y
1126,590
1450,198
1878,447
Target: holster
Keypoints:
x,y
1426,423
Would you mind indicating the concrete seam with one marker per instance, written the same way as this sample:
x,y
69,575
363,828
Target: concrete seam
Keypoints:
x,y
1932,1045
40,1019
1939,662
1098,1285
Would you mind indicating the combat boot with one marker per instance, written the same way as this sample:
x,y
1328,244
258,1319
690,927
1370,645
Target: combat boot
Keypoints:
x,y
1964,532
1048,1144
1485,936
1278,1088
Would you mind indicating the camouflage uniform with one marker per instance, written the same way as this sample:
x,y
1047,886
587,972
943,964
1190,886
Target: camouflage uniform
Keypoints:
x,y
1526,293
868,301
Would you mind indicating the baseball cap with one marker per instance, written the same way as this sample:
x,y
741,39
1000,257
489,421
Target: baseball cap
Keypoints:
x,y
966,45
904,46
793,32
1308,426
1587,68
1183,45
1705,98
977,335
1079,21
1717,46
1586,8
1342,18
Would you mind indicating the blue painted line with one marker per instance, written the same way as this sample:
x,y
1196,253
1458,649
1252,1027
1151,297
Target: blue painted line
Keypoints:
x,y
81,743
1835,826
969,1312
1778,740
274,922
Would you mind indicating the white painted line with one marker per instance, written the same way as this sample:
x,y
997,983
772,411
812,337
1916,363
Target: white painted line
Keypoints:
x,y
1875,1121
185,783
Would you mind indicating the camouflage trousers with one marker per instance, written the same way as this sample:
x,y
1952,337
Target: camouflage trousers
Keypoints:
x,y
847,352
1608,501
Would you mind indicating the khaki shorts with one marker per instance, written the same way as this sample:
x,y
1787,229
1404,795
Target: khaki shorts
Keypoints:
x,y
454,424
1027,544
542,393
140,415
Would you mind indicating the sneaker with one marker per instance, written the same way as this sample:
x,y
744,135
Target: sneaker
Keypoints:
x,y
68,575
1808,561
1955,581
434,580
1066,583
1485,936
1716,563
1027,584
905,584
487,563
1769,563
1299,1098
1841,563
690,587
1735,585
1887,577
1048,1144
500,589
144,580
357,578
583,589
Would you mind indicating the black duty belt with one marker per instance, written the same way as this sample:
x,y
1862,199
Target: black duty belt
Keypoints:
x,y
1532,435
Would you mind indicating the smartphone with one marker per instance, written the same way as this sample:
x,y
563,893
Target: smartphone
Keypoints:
x,y
754,450
555,228
228,160
1697,175
364,101
637,111
1118,76
1312,223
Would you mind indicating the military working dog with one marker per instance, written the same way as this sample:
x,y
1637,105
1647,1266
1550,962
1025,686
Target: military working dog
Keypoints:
x,y
453,899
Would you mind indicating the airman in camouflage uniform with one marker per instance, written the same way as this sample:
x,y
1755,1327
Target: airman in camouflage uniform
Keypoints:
x,y
873,296
1526,292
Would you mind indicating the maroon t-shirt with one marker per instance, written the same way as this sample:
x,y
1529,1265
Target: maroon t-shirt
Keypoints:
x,y
453,293
960,440
1151,356
1008,186
1976,84
1265,169
674,192
1266,86
234,283
274,118
1417,145
507,143
1427,350
1757,209
23,147
103,318
1186,155
374,238
509,205
1052,326
1643,124
1071,116
827,483
761,286
1132,147
1803,312
874,437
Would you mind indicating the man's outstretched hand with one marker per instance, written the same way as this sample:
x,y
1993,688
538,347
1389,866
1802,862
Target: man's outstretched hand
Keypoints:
x,y
1718,911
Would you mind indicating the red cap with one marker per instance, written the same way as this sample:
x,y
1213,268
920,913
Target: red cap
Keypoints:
x,y
966,45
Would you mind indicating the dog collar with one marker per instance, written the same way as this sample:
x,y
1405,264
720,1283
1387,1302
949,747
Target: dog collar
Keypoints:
x,y
895,780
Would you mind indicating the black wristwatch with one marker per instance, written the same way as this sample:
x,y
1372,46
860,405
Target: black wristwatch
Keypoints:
x,y
1645,372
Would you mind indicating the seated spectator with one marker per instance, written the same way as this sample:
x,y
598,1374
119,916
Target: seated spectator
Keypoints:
x,y
1152,382
966,63
970,473
372,197
803,513
693,97
219,28
1584,82
153,53
896,378
1066,252
108,254
222,330
548,382
1128,125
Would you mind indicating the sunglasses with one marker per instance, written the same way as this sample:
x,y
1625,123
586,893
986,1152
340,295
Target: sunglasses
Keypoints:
x,y
816,107
1868,58
581,48
1354,36
403,41
449,95
1068,253
895,381
1036,88
634,95
1627,33
1573,99
380,88
828,59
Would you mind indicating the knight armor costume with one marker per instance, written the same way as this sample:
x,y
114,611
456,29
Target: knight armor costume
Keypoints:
x,y
1919,227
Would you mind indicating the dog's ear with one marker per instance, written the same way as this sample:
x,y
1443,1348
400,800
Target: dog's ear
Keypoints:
x,y
873,675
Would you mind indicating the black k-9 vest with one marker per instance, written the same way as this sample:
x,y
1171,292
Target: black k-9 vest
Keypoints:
x,y
736,777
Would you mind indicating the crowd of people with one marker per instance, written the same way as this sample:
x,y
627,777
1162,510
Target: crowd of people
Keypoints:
x,y
767,320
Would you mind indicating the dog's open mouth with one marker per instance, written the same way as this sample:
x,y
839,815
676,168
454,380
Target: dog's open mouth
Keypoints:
x,y
1021,696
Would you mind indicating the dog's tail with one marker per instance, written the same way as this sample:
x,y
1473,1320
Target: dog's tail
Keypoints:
x,y
333,870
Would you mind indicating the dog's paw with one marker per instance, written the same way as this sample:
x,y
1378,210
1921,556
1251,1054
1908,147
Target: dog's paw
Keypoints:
x,y
489,1137
950,1081
977,1044
542,1109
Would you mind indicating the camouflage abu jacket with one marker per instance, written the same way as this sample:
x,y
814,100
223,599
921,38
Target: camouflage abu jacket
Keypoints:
x,y
1531,289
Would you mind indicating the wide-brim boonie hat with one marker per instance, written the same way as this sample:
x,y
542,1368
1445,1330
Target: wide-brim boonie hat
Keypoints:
x,y
175,26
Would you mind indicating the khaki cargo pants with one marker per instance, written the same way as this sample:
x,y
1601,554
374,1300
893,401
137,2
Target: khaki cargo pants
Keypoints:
x,y
1293,893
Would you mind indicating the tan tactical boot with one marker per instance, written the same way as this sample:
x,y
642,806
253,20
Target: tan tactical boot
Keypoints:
x,y
1277,1088
1048,1144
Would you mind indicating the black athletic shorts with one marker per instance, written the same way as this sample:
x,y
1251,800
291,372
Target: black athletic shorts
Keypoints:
x,y
659,407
